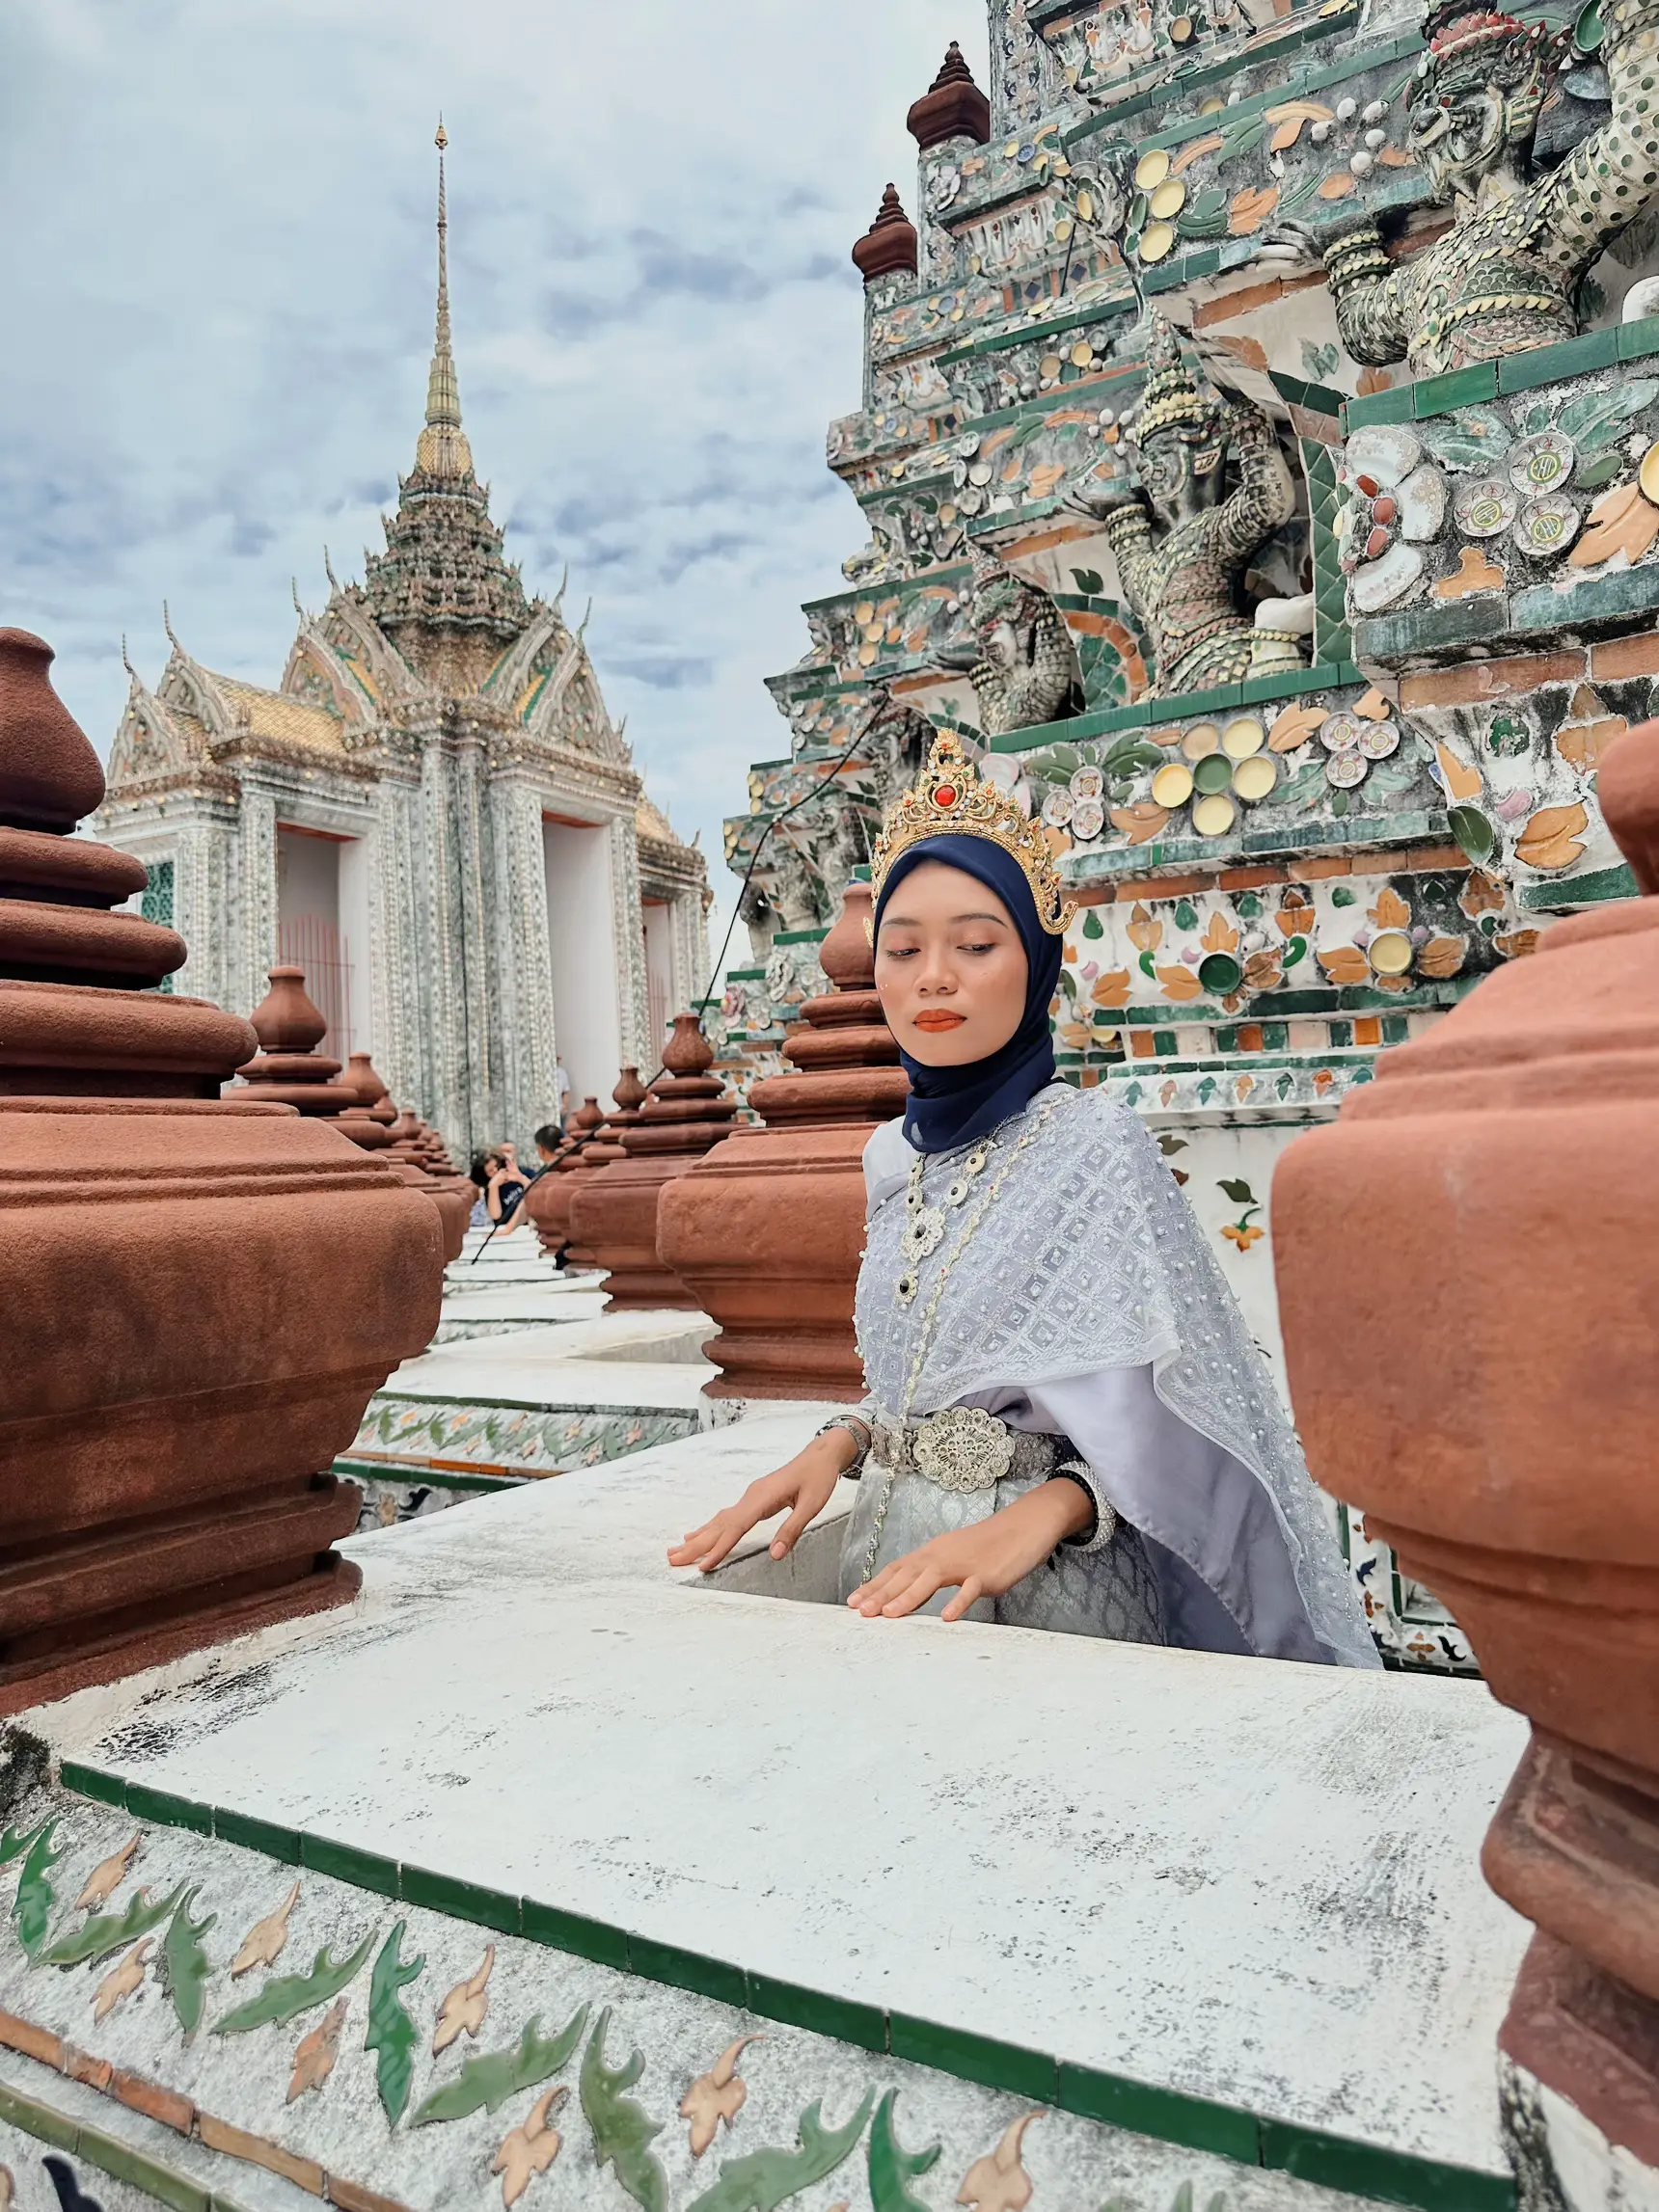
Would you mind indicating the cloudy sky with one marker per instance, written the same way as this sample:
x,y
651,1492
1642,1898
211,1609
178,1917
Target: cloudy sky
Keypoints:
x,y
217,267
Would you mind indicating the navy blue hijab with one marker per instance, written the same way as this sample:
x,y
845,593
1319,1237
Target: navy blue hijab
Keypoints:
x,y
951,1106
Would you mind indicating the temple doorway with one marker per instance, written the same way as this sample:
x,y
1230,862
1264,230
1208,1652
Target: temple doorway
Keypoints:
x,y
582,941
321,920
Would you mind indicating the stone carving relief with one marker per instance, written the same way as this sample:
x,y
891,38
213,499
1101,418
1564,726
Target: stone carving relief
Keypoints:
x,y
1506,275
1183,540
1020,660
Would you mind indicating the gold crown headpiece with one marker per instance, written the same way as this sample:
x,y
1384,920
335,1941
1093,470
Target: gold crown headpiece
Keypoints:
x,y
950,798
1469,48
1172,398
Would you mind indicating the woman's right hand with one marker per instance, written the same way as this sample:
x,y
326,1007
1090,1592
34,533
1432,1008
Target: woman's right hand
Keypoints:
x,y
804,1485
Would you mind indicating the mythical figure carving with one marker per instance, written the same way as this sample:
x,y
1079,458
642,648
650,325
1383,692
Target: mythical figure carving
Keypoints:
x,y
1185,584
1507,274
1020,660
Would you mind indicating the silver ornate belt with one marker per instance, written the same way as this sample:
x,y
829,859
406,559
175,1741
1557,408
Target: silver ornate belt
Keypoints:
x,y
962,1448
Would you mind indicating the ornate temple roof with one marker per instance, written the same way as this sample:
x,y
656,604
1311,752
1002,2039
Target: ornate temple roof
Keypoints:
x,y
275,715
649,820
443,567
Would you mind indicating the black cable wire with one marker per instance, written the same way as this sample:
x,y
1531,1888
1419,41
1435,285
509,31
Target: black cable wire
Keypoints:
x,y
768,826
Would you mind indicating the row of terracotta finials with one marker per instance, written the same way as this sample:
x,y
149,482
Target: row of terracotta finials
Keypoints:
x,y
288,1071
230,1245
199,1294
758,1223
200,1288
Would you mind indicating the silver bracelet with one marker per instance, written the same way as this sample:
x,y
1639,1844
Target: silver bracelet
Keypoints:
x,y
860,1432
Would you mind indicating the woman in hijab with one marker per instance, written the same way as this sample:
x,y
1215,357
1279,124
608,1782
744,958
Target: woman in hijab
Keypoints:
x,y
1067,1424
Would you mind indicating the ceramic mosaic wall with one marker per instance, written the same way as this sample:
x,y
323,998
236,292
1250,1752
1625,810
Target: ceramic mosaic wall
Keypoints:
x,y
1434,585
194,2002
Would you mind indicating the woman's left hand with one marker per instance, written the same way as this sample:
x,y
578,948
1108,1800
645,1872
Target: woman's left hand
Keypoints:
x,y
981,1561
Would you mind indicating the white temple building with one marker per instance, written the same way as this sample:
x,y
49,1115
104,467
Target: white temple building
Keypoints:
x,y
432,814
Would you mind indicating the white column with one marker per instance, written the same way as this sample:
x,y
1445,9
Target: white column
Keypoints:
x,y
629,928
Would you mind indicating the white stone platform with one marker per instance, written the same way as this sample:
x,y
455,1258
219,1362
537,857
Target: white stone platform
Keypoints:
x,y
495,1408
1231,1901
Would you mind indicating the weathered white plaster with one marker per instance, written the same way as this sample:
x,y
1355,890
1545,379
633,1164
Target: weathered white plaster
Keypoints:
x,y
1254,1881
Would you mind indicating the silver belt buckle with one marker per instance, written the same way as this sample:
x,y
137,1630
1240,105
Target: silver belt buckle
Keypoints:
x,y
964,1448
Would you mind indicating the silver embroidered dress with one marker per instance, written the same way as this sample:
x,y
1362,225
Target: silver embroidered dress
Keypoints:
x,y
1054,1277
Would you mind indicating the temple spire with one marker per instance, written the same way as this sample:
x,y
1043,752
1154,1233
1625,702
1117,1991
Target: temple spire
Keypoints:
x,y
442,449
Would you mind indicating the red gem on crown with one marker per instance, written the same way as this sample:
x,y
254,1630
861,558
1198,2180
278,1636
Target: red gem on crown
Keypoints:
x,y
945,795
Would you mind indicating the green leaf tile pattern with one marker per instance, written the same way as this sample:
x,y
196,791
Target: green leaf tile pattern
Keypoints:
x,y
891,2168
185,1965
1331,641
391,2034
767,2178
622,2129
110,1932
485,2082
521,1439
17,1840
33,1908
288,1994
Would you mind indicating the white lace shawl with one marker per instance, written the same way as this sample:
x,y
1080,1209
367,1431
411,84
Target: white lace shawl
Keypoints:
x,y
1090,1259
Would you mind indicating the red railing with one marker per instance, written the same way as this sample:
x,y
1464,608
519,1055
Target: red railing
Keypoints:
x,y
309,942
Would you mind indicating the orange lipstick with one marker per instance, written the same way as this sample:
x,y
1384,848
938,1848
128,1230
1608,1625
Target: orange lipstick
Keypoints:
x,y
939,1019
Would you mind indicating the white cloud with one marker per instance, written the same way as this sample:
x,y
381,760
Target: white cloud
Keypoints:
x,y
219,281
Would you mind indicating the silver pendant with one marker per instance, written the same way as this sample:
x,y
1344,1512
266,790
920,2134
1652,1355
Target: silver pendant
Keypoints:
x,y
921,1233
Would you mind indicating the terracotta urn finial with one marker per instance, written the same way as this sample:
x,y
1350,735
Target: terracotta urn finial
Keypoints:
x,y
889,247
372,1089
1628,785
768,1227
687,1051
49,775
613,1215
952,107
166,1489
630,1091
845,956
1468,1267
288,1071
79,1011
286,1019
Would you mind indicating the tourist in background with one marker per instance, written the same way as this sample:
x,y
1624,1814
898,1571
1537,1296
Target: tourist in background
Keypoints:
x,y
501,1186
560,1094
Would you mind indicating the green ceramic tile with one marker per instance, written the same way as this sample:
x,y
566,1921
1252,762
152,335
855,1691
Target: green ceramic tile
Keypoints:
x,y
1369,2169
1462,387
1592,599
1209,702
1638,339
575,1932
164,2183
1393,406
1168,2115
1431,629
460,1899
146,1804
37,2120
865,2025
92,1781
1551,364
1601,884
974,2057
687,1970
1165,1041
364,1870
